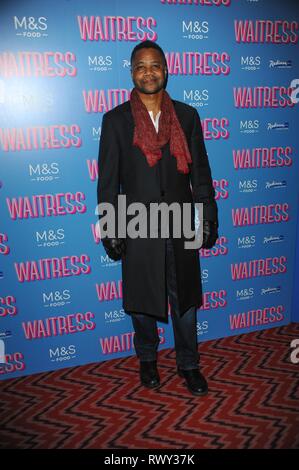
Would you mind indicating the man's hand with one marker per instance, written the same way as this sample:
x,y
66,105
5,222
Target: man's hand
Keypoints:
x,y
114,247
210,234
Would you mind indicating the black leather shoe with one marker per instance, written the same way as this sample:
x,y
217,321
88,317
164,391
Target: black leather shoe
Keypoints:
x,y
195,381
149,374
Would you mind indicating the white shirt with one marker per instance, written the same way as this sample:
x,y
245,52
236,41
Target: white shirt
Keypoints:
x,y
155,121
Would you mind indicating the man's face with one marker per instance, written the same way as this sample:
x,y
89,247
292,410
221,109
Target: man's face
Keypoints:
x,y
148,71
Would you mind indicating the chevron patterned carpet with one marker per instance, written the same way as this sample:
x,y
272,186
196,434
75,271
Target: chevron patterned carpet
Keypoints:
x,y
253,402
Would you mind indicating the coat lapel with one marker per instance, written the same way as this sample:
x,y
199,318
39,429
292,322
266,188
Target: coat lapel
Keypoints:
x,y
128,114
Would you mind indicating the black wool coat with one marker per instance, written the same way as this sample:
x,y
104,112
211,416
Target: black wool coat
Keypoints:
x,y
123,169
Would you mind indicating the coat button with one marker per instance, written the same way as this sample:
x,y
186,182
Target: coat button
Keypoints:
x,y
162,192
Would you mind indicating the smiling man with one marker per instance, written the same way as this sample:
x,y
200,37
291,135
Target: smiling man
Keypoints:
x,y
152,150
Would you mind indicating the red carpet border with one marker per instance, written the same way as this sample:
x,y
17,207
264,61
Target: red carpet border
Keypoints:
x,y
252,403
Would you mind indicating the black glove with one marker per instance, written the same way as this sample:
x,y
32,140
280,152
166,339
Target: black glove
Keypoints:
x,y
210,233
114,247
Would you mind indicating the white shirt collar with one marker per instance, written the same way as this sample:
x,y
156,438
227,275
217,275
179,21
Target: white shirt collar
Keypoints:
x,y
155,121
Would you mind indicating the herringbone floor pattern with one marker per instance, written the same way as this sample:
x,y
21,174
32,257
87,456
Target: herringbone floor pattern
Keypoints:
x,y
253,401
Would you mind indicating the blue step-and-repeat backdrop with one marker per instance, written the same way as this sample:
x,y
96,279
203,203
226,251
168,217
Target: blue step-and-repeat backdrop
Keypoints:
x,y
63,64
295,310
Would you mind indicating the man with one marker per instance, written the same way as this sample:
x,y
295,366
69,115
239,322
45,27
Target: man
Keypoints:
x,y
152,150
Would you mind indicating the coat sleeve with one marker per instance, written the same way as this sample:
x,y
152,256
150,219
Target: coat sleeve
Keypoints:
x,y
200,173
108,187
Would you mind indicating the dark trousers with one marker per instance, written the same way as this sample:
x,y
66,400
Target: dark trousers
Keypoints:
x,y
146,339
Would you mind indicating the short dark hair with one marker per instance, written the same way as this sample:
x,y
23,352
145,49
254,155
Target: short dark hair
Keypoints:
x,y
148,45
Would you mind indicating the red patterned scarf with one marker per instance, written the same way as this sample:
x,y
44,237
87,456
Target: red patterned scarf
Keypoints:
x,y
150,142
